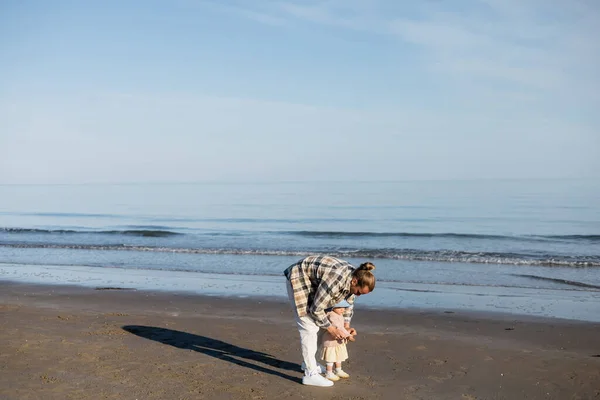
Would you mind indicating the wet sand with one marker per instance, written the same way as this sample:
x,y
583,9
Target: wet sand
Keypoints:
x,y
60,342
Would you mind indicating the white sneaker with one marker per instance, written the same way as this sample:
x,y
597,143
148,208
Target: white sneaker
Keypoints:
x,y
340,372
331,376
322,368
316,380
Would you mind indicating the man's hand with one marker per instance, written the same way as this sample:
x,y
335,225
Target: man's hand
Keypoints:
x,y
351,331
335,332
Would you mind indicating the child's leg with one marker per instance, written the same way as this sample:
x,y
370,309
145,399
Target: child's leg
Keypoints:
x,y
339,371
329,374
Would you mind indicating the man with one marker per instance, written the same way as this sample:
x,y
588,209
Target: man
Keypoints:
x,y
314,284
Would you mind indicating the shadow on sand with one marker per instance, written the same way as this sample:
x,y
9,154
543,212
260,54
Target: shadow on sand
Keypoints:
x,y
216,348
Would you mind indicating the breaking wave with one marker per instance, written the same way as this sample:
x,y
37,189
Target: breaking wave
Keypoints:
x,y
161,231
449,256
126,232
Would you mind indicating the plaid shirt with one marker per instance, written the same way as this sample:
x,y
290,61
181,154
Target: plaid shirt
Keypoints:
x,y
320,282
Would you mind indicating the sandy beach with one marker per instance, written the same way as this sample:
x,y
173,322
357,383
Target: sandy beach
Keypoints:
x,y
61,342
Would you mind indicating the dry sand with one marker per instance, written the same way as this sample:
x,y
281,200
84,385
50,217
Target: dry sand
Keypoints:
x,y
76,343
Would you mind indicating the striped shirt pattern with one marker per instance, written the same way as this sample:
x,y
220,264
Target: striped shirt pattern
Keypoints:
x,y
319,282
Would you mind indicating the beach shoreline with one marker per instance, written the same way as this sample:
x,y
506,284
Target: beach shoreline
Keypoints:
x,y
551,302
65,342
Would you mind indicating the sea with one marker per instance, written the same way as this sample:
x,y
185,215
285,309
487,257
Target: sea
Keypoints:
x,y
523,247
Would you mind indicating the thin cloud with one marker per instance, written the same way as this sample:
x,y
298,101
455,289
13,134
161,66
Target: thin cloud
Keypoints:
x,y
518,47
547,46
256,13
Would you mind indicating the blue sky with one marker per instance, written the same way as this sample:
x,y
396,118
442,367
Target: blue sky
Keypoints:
x,y
190,90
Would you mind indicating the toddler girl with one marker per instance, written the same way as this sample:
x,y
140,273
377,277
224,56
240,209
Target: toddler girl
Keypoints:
x,y
334,351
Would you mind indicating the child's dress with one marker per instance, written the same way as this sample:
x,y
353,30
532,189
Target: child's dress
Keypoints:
x,y
332,350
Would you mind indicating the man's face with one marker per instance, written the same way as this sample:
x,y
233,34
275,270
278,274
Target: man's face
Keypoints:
x,y
356,290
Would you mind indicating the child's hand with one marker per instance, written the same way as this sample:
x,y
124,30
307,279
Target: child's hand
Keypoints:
x,y
351,338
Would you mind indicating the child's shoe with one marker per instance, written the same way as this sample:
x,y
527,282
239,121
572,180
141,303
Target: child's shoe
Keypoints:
x,y
340,372
331,376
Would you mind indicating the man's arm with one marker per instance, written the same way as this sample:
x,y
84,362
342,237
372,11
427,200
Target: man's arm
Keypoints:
x,y
352,331
331,285
348,314
320,302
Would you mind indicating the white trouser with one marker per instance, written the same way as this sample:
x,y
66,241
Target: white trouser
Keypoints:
x,y
309,336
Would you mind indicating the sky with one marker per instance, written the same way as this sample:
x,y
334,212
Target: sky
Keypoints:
x,y
298,90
